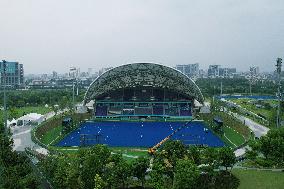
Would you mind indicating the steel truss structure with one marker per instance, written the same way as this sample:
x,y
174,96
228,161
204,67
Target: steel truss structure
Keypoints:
x,y
143,75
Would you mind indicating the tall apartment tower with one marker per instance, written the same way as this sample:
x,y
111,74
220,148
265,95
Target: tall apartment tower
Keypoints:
x,y
191,70
14,74
214,71
254,70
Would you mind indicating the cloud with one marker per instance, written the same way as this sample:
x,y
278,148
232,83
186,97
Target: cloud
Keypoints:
x,y
57,34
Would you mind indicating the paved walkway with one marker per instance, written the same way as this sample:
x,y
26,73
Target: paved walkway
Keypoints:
x,y
258,130
22,137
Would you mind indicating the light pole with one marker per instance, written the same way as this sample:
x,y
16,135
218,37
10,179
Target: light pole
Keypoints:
x,y
73,95
250,80
221,91
5,100
278,70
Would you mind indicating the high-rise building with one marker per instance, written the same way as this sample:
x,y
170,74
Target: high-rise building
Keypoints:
x,y
213,71
191,70
90,71
54,75
254,70
227,72
74,72
14,74
218,71
103,70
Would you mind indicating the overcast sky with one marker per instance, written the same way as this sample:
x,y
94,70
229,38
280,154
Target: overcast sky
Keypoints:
x,y
47,35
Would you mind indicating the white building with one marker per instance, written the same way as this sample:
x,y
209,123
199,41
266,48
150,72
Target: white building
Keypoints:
x,y
191,70
30,119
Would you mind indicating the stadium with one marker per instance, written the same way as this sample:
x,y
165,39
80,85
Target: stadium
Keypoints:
x,y
142,104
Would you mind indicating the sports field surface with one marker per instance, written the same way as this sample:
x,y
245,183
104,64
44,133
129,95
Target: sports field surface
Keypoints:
x,y
139,134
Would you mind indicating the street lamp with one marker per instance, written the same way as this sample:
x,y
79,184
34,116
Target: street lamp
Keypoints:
x,y
278,70
5,100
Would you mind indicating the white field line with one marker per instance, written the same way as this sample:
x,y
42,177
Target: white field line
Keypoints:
x,y
53,140
229,140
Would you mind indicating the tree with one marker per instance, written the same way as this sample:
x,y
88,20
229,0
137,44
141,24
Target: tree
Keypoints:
x,y
252,153
13,113
157,175
117,171
55,109
139,168
93,161
15,169
210,156
73,174
194,154
99,183
227,157
185,175
272,145
61,174
173,150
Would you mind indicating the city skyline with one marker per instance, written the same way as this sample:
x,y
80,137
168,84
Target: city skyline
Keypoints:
x,y
44,35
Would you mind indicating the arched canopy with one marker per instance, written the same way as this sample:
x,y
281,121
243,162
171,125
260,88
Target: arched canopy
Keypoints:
x,y
143,74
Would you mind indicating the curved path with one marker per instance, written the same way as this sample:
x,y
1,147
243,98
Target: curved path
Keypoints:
x,y
258,130
22,136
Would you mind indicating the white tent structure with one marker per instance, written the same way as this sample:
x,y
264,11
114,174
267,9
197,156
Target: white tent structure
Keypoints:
x,y
13,122
30,119
80,109
206,108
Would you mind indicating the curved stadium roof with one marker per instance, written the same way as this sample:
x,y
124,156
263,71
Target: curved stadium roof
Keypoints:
x,y
143,74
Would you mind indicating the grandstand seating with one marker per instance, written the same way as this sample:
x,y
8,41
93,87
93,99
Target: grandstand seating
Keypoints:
x,y
101,111
185,112
128,111
143,108
158,110
143,111
143,101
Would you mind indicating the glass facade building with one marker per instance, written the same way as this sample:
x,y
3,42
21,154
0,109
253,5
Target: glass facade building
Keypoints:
x,y
14,74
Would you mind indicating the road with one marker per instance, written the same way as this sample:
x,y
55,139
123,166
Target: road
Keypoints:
x,y
258,130
22,136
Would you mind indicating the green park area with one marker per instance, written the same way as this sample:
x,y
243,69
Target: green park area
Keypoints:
x,y
258,179
18,112
51,135
263,107
15,112
267,109
234,138
233,132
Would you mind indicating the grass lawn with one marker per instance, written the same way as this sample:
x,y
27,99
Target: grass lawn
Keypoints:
x,y
126,151
270,114
253,179
249,106
235,137
234,130
18,112
65,150
130,151
51,135
32,109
